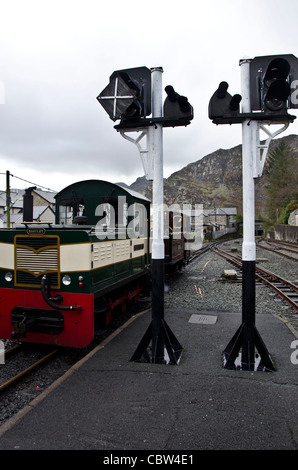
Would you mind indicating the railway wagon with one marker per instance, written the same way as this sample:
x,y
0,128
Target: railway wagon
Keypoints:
x,y
176,241
58,282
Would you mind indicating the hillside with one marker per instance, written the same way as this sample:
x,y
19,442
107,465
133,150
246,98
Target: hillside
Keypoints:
x,y
214,181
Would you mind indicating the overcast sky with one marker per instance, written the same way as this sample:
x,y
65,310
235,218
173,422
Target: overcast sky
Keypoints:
x,y
57,56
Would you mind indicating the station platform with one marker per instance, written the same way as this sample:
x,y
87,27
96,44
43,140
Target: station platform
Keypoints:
x,y
108,403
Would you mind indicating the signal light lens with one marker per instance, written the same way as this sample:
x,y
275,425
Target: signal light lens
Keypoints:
x,y
8,276
278,69
277,95
66,280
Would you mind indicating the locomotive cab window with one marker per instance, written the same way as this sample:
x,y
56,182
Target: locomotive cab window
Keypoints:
x,y
71,211
65,215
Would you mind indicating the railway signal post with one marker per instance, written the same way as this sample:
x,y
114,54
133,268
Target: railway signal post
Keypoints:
x,y
126,97
268,90
158,333
247,337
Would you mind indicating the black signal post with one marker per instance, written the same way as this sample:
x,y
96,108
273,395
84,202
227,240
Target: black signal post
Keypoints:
x,y
158,333
131,96
269,87
247,337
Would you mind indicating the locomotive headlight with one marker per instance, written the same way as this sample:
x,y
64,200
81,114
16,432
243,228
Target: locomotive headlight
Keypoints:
x,y
8,276
66,280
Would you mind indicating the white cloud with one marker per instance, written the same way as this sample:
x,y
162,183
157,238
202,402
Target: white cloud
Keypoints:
x,y
56,56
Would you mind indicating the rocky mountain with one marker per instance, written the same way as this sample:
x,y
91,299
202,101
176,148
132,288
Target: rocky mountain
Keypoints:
x,y
214,181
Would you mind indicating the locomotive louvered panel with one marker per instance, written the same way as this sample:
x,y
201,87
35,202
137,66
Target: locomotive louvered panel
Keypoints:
x,y
95,253
45,260
106,252
35,256
122,250
109,251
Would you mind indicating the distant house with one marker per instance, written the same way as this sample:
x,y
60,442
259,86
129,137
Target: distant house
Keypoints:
x,y
43,214
15,219
216,222
43,206
220,221
43,198
293,218
16,205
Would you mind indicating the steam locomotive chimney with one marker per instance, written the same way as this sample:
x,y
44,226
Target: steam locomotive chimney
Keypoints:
x,y
28,205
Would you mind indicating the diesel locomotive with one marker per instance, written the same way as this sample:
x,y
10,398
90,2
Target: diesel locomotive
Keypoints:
x,y
60,282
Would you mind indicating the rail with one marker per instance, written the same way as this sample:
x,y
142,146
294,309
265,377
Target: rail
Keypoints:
x,y
284,288
5,385
286,249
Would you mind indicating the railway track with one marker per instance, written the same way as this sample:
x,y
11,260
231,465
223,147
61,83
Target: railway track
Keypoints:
x,y
196,254
67,356
286,249
19,390
27,370
284,288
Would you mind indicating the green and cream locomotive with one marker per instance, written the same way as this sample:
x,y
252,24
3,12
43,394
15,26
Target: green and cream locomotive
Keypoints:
x,y
58,282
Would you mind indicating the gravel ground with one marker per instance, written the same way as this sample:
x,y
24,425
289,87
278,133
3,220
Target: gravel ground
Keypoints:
x,y
201,287
19,395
